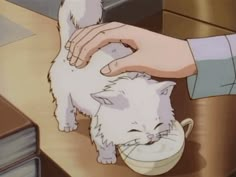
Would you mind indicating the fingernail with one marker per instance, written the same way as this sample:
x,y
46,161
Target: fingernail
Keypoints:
x,y
69,56
106,70
78,63
73,60
71,63
67,46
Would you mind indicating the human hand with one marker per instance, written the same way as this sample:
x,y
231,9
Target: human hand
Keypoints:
x,y
155,54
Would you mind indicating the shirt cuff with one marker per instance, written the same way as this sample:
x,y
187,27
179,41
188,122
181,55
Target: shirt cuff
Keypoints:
x,y
215,66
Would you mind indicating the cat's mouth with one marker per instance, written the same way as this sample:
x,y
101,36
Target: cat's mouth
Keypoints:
x,y
150,143
135,142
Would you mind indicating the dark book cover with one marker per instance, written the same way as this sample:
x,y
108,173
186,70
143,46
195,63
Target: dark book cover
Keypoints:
x,y
19,136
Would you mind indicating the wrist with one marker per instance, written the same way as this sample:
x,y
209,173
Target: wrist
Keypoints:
x,y
183,63
188,63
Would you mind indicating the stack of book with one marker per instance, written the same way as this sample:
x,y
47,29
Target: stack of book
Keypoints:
x,y
19,143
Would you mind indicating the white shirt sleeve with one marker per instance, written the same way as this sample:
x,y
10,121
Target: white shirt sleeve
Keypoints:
x,y
215,58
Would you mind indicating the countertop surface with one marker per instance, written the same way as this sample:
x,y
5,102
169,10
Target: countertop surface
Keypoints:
x,y
24,64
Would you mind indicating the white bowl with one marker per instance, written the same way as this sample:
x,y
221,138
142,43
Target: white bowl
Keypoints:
x,y
161,156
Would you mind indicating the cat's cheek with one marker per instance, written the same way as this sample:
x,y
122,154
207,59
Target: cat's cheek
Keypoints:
x,y
120,139
143,141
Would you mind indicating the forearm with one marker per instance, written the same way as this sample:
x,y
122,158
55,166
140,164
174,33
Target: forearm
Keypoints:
x,y
215,59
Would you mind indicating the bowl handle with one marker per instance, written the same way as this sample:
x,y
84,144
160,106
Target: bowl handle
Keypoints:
x,y
190,124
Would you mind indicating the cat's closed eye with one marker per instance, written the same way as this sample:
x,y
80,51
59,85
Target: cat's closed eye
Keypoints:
x,y
159,124
134,130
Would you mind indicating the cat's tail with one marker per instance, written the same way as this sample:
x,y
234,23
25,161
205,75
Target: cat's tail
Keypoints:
x,y
74,14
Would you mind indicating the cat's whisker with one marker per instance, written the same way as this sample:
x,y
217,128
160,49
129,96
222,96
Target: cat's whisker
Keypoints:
x,y
131,151
168,134
128,146
127,143
164,131
173,134
124,150
161,134
168,138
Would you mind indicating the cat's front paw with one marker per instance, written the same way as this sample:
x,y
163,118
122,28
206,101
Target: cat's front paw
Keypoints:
x,y
107,160
67,127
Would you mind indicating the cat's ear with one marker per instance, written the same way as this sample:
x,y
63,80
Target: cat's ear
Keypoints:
x,y
165,87
109,97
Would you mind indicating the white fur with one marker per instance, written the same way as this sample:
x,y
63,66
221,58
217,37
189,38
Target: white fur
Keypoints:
x,y
116,104
78,14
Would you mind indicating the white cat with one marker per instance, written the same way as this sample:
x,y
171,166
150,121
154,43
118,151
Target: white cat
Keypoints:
x,y
129,109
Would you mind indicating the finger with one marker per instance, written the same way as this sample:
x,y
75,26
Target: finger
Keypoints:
x,y
73,60
76,33
67,46
78,37
80,34
100,41
69,55
93,33
71,43
122,65
98,29
79,63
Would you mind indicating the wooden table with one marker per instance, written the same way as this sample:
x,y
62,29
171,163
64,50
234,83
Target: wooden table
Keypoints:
x,y
210,149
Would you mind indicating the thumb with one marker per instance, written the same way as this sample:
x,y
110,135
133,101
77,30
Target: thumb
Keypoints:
x,y
119,66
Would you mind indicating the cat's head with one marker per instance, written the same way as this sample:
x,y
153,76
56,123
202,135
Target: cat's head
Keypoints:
x,y
134,111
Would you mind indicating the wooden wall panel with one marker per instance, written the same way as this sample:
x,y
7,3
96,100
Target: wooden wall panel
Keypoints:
x,y
184,28
218,12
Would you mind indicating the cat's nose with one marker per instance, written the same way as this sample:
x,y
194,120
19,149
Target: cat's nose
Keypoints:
x,y
150,136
